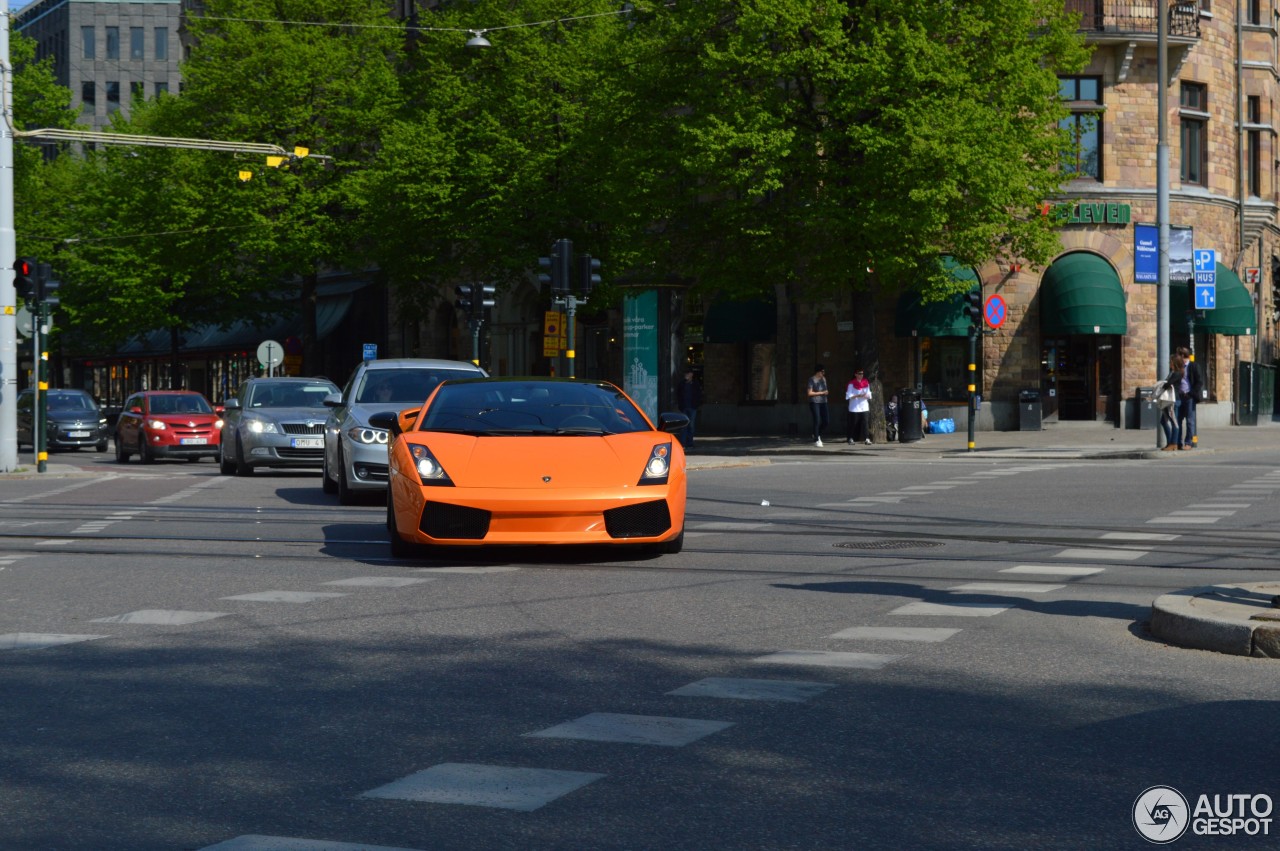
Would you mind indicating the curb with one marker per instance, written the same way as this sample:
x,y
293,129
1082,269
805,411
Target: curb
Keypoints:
x,y
1221,618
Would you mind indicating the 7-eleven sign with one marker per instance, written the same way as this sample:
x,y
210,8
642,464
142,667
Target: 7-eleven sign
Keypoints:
x,y
1253,275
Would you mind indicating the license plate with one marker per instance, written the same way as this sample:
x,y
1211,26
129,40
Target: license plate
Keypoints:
x,y
77,434
308,443
194,441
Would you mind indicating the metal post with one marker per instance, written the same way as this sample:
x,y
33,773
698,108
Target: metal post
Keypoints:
x,y
973,381
40,430
475,324
1162,199
8,252
572,303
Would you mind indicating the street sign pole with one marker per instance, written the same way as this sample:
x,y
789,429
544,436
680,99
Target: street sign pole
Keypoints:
x,y
40,436
973,381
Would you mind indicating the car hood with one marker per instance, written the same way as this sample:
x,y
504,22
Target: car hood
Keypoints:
x,y
74,417
183,419
526,462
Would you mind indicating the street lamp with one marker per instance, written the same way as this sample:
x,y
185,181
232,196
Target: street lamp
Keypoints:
x,y
478,40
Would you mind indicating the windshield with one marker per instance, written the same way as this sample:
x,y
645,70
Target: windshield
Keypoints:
x,y
288,394
554,408
403,384
186,404
71,402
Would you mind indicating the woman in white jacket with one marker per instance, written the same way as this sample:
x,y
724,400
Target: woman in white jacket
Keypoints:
x,y
858,395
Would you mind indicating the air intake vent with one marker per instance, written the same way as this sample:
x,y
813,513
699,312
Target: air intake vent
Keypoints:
x,y
441,520
643,520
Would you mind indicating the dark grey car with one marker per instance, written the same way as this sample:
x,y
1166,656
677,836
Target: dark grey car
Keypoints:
x,y
73,419
274,422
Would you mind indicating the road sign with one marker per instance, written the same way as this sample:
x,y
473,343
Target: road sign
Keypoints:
x,y
270,353
26,322
995,311
370,351
1206,265
1253,275
1206,297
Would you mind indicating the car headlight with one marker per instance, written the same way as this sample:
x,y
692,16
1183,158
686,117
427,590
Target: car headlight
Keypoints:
x,y
217,425
102,422
262,427
658,467
156,425
428,468
367,434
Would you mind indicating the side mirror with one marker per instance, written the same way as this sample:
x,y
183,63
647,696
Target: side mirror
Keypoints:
x,y
219,409
232,404
672,422
333,400
389,420
135,410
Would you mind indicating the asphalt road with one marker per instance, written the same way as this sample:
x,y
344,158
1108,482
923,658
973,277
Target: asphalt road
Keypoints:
x,y
849,654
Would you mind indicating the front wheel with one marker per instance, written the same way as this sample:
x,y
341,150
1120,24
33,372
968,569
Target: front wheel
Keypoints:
x,y
226,466
670,547
122,456
346,494
242,466
327,484
144,451
400,548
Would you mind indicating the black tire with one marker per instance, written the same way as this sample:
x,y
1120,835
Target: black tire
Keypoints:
x,y
122,456
346,495
327,485
242,466
225,467
400,548
144,451
192,459
101,447
670,548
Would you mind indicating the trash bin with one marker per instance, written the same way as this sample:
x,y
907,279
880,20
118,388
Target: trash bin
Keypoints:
x,y
909,428
1029,410
1148,411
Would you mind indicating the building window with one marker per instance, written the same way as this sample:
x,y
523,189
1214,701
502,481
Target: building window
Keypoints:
x,y
1194,100
1253,12
113,96
86,39
137,42
137,92
162,43
1083,96
113,42
88,97
162,89
1253,145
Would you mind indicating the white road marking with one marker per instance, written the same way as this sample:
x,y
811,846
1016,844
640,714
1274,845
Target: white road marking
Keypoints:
x,y
285,596
1102,554
37,640
379,581
468,569
1006,588
1139,536
896,633
740,688
633,729
958,610
162,617
1191,521
503,787
1052,570
828,659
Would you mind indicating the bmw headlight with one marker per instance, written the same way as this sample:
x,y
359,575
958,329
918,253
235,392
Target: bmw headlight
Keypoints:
x,y
262,426
366,434
429,470
658,467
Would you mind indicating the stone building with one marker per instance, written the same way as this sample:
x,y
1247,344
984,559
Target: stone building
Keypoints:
x,y
1080,333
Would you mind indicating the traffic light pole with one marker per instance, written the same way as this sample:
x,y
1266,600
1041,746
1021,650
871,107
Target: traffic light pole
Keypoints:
x,y
8,253
475,323
973,382
40,429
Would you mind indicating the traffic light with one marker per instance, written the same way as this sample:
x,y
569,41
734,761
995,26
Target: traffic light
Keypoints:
x,y
24,280
46,287
483,296
973,306
557,267
588,274
464,301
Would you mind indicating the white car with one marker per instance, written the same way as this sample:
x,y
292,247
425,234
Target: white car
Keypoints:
x,y
355,453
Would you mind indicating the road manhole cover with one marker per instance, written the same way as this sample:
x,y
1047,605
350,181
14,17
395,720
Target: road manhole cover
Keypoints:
x,y
887,545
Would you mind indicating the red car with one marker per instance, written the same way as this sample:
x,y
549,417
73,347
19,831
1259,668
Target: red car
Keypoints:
x,y
167,424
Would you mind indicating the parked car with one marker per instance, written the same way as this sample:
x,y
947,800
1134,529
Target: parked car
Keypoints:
x,y
533,461
167,424
355,453
73,419
274,422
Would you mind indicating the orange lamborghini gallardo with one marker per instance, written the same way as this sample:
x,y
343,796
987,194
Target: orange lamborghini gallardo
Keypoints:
x,y
490,461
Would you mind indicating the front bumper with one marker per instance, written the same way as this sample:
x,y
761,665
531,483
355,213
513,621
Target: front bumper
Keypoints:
x,y
268,449
76,435
366,465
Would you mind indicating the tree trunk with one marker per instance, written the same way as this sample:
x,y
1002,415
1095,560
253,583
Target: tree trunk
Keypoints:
x,y
176,381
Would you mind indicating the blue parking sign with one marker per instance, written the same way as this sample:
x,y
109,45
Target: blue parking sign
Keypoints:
x,y
1206,264
370,351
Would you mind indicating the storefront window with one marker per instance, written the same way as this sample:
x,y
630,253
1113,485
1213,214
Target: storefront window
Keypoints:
x,y
762,377
944,367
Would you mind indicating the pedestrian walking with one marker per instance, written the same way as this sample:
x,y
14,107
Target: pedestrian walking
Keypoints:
x,y
1194,380
818,402
858,395
1169,414
689,397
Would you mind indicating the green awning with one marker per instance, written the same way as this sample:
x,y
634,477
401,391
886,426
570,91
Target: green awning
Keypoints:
x,y
1233,316
1081,294
915,317
740,322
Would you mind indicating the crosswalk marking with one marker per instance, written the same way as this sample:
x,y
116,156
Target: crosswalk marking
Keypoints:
x,y
741,688
1191,521
285,596
1053,570
1081,554
633,729
828,659
38,640
1139,536
503,787
1006,587
163,617
379,581
961,610
896,633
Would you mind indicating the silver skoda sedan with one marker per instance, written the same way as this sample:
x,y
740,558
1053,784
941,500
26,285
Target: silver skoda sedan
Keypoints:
x,y
274,422
355,454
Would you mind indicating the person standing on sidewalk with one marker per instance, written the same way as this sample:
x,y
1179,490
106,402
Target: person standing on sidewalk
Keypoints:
x,y
858,395
1187,408
689,395
818,402
1169,416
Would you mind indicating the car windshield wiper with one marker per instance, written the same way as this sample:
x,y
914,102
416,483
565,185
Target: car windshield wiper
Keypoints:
x,y
588,430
